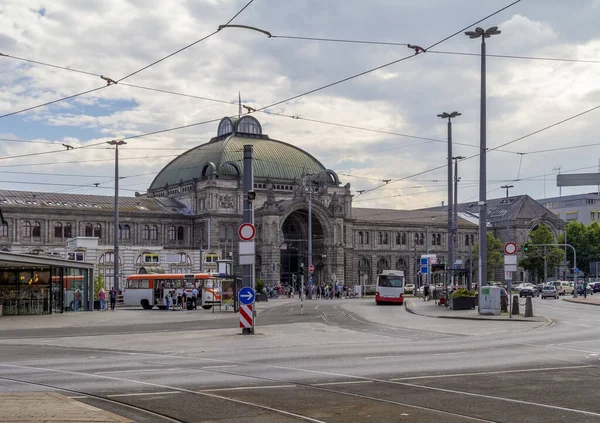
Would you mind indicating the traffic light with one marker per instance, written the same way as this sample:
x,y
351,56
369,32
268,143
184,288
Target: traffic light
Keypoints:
x,y
526,247
251,196
301,271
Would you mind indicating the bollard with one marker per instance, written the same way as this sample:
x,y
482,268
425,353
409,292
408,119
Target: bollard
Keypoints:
x,y
515,305
528,307
504,304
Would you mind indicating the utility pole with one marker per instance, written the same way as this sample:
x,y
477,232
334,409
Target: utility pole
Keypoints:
x,y
455,218
309,259
545,261
479,32
558,169
450,116
248,217
116,218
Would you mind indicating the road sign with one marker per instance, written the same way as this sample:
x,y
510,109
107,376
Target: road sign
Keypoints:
x,y
311,268
246,231
424,270
246,295
510,248
310,281
433,260
510,263
508,276
246,317
424,261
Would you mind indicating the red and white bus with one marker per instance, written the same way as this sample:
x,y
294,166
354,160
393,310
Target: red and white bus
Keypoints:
x,y
390,287
149,290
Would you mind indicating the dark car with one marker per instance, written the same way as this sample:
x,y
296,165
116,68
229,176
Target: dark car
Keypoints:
x,y
590,290
529,292
595,287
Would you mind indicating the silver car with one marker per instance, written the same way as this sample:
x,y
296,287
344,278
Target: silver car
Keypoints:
x,y
549,291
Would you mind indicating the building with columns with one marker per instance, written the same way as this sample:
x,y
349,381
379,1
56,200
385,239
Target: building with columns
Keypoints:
x,y
190,214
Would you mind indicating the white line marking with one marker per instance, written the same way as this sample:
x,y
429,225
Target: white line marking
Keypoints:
x,y
246,388
79,397
141,394
219,367
135,371
576,342
348,382
156,385
499,372
452,353
586,326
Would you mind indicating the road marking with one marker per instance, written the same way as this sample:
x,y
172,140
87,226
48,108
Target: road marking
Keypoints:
x,y
586,326
489,373
141,394
451,353
219,367
348,382
559,348
246,388
79,397
135,371
383,356
157,385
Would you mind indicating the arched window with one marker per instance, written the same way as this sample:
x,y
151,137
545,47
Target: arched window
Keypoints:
x,y
421,239
433,239
403,240
397,238
361,238
401,264
125,232
153,232
222,233
248,125
180,233
379,238
364,265
146,232
172,233
98,231
472,239
58,230
382,265
224,127
467,240
416,239
438,239
366,237
89,230
68,231
4,230
37,230
385,238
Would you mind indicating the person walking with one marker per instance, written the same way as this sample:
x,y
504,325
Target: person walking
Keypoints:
x,y
585,285
184,299
113,299
195,298
168,300
426,293
76,300
102,298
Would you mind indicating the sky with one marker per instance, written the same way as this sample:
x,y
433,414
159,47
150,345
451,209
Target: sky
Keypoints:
x,y
395,135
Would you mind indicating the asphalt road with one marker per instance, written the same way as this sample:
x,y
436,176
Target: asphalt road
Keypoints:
x,y
329,364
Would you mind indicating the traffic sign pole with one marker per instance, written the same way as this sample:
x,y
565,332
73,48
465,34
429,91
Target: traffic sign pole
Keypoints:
x,y
246,297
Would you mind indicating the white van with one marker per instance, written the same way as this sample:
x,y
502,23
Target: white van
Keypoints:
x,y
390,287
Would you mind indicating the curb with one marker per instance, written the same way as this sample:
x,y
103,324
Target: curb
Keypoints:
x,y
548,322
570,300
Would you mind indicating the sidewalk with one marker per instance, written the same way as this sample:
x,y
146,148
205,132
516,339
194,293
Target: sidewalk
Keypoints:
x,y
430,309
580,300
46,407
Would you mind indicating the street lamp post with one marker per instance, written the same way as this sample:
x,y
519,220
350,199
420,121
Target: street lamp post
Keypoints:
x,y
116,224
507,187
450,116
479,32
455,218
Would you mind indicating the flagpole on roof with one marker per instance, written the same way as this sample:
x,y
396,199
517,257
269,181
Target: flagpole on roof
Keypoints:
x,y
240,104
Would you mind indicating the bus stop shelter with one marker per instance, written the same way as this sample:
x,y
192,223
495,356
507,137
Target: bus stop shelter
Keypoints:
x,y
40,284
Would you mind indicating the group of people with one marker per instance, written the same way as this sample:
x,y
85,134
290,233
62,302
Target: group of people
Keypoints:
x,y
177,300
320,291
112,295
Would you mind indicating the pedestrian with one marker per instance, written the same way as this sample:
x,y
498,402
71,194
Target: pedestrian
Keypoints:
x,y
168,300
113,299
195,298
102,298
76,299
179,300
174,300
426,293
585,289
184,299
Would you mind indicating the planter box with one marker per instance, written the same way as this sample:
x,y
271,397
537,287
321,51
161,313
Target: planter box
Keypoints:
x,y
462,303
261,297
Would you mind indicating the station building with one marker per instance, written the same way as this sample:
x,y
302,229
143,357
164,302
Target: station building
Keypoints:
x,y
189,216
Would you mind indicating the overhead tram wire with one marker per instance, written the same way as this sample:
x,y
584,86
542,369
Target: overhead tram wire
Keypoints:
x,y
185,47
110,81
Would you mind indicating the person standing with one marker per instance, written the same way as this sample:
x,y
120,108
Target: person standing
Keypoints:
x,y
76,300
113,299
195,298
102,298
585,285
168,300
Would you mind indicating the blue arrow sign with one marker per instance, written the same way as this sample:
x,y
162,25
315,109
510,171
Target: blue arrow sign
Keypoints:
x,y
246,295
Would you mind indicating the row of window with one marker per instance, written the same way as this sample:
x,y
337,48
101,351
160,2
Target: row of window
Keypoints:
x,y
419,238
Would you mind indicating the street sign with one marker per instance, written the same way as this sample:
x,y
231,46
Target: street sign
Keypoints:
x,y
433,260
424,261
246,316
424,270
508,276
310,281
311,268
246,295
510,248
246,231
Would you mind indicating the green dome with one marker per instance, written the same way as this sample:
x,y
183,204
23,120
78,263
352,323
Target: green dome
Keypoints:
x,y
223,158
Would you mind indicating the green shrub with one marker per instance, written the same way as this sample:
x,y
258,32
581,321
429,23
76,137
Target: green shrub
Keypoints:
x,y
462,293
260,284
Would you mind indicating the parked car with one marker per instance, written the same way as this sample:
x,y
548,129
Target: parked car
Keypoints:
x,y
590,290
549,291
409,288
562,287
595,286
520,286
529,291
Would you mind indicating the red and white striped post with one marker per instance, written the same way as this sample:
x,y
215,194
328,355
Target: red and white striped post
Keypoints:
x,y
246,316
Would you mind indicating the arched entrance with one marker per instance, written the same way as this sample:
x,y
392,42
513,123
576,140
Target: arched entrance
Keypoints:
x,y
294,248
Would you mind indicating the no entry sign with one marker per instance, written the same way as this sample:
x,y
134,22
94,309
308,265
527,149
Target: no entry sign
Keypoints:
x,y
247,231
311,268
510,248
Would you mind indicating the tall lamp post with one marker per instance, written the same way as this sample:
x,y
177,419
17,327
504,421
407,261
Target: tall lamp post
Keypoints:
x,y
479,32
455,217
507,187
116,246
450,116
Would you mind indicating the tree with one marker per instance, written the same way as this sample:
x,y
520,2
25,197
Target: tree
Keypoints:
x,y
495,259
98,284
586,241
533,256
259,285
